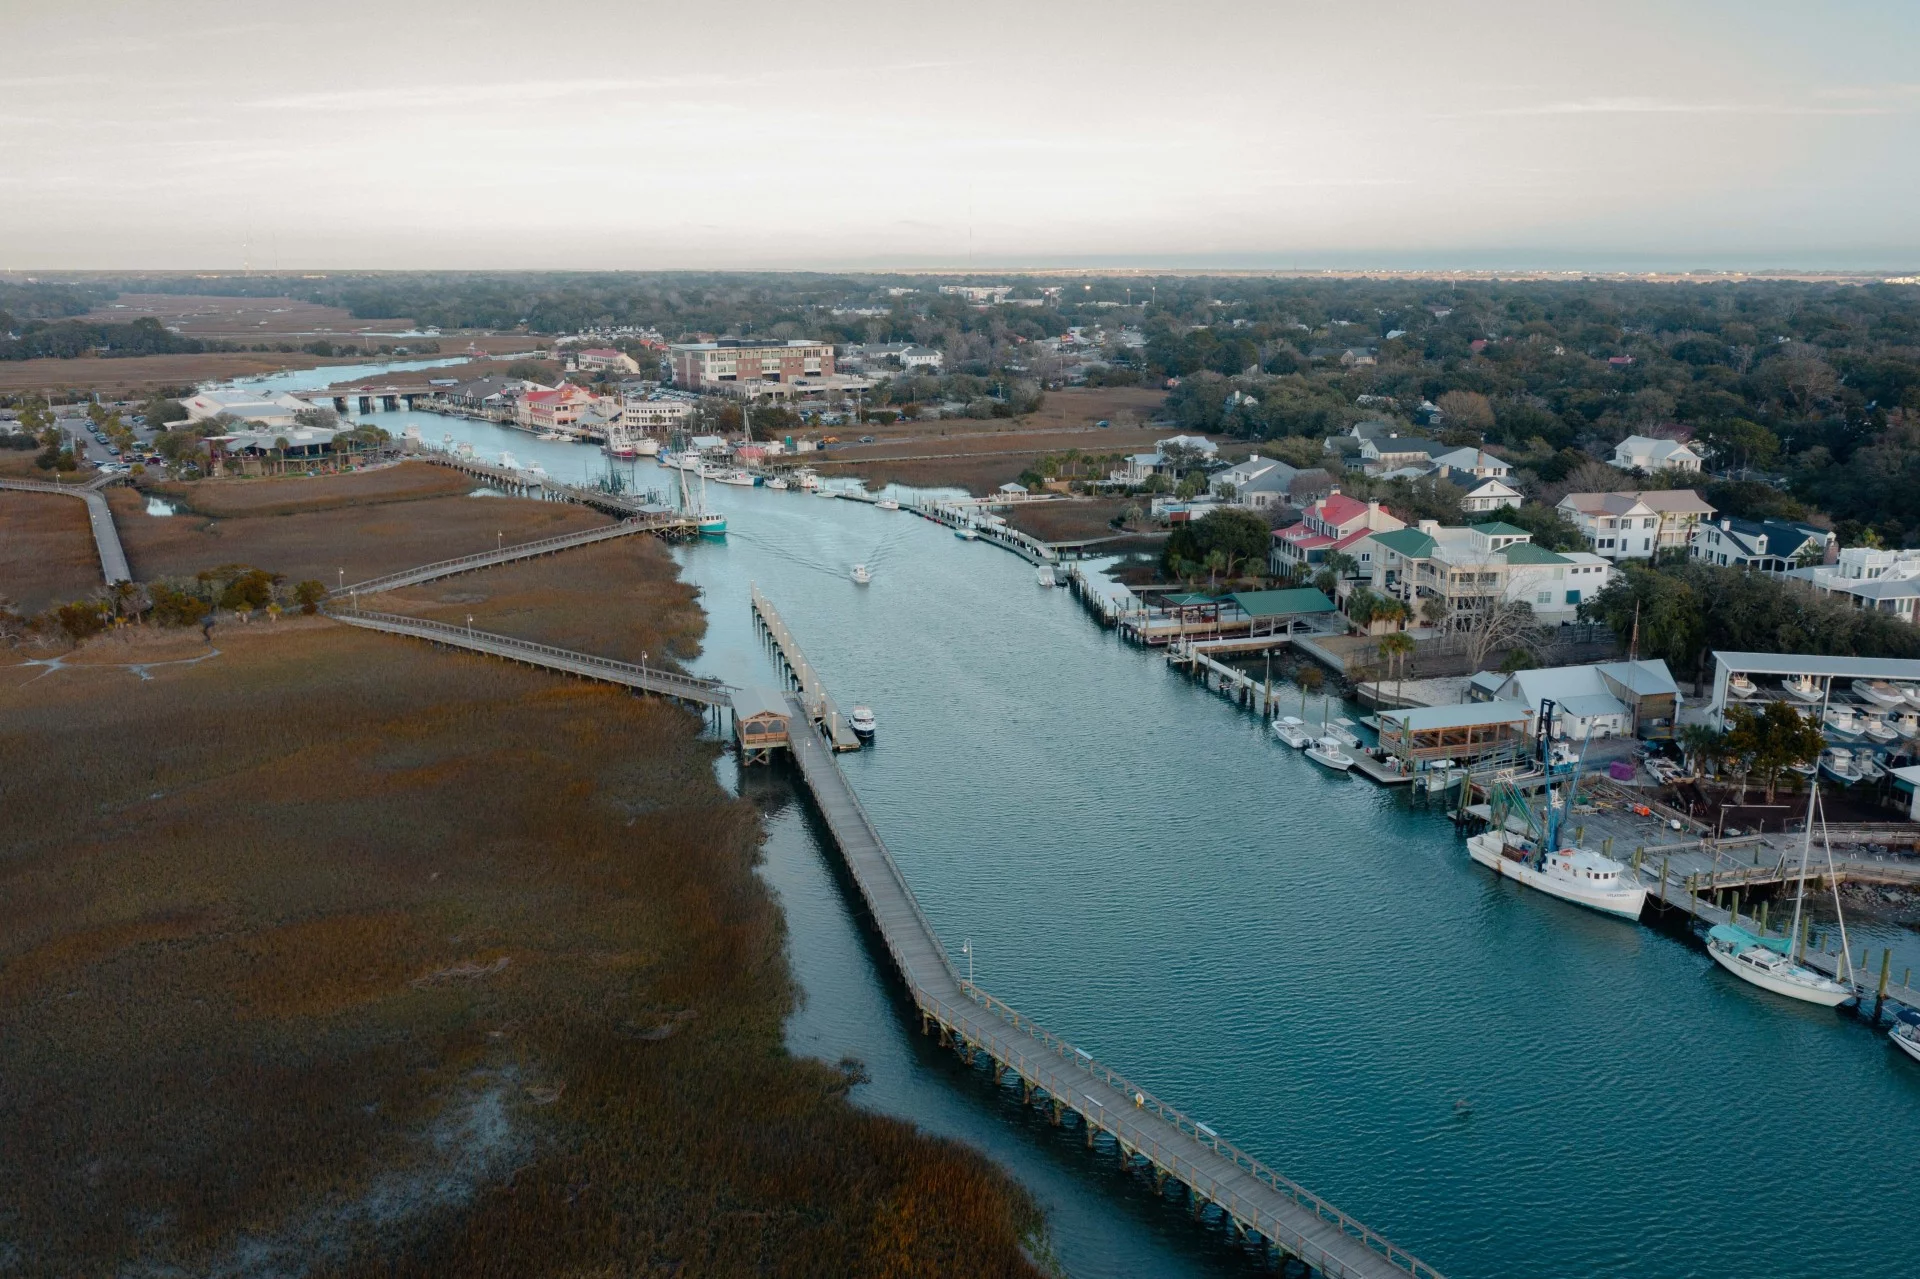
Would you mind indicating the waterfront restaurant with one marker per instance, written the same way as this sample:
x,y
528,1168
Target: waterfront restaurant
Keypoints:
x,y
1425,735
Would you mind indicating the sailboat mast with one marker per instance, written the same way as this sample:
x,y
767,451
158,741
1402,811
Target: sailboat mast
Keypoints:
x,y
1806,841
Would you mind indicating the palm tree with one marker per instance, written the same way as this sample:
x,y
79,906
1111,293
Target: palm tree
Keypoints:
x,y
1394,648
1704,745
1216,563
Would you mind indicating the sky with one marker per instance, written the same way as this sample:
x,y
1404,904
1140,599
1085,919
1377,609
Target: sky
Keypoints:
x,y
1632,134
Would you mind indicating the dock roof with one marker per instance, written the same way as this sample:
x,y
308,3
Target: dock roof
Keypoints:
x,y
1813,664
1300,599
758,699
1425,719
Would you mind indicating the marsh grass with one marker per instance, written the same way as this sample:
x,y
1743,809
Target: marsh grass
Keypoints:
x,y
236,496
275,928
47,555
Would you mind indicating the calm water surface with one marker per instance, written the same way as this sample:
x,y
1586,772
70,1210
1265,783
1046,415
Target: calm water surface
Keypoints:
x,y
1302,960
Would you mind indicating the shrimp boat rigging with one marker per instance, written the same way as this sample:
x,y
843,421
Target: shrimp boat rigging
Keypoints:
x,y
1538,858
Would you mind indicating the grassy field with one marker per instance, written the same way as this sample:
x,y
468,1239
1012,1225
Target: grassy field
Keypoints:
x,y
334,953
367,523
47,555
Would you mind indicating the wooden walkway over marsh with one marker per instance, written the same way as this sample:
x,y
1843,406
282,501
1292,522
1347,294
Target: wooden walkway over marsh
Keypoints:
x,y
1118,1116
508,554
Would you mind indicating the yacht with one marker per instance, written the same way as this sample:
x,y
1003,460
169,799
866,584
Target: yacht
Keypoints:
x,y
1327,753
1906,1032
966,534
535,469
861,720
1292,731
1740,686
1837,762
1804,688
887,504
1044,575
1538,858
1843,720
861,575
1879,692
1764,962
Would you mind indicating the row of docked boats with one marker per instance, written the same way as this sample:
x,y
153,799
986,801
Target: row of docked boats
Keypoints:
x,y
1328,748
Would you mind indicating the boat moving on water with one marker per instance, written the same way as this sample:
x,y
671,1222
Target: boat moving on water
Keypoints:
x,y
861,575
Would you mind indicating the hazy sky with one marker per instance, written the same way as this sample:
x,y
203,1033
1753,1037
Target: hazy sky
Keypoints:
x,y
177,134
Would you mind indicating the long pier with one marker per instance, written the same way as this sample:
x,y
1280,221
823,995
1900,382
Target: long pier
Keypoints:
x,y
666,524
1142,1130
816,704
106,537
687,688
546,488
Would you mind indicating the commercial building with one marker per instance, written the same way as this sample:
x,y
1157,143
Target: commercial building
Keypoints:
x,y
607,358
703,366
550,410
1636,525
267,410
654,416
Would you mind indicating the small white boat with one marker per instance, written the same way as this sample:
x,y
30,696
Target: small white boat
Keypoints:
x,y
465,449
777,484
535,469
887,504
1740,686
1763,962
1878,729
1803,767
1044,575
1868,766
412,433
861,720
1843,720
1573,874
966,534
1804,688
1837,763
862,574
1904,722
509,461
1879,692
552,435
1292,731
1341,730
806,480
1906,1032
446,441
737,476
1911,692
1327,753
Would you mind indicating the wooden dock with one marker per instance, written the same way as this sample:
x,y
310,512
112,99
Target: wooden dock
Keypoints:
x,y
647,679
546,488
1118,1116
658,524
816,703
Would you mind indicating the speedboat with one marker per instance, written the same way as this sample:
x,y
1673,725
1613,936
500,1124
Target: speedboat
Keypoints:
x,y
1877,728
887,504
1571,873
1044,575
1292,731
1843,720
1341,730
551,435
967,534
1740,686
1906,1032
861,720
1879,692
861,575
1804,688
1904,722
1327,753
1837,763
777,483
1764,962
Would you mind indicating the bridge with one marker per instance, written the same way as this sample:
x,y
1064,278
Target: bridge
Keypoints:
x,y
389,395
106,537
663,524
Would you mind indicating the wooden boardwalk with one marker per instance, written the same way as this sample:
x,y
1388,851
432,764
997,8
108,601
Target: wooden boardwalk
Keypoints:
x,y
815,702
1126,1119
689,688
546,488
506,555
106,537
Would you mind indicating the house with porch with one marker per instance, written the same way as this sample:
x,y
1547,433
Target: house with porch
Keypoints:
x,y
1636,525
1768,546
1647,454
1478,568
1334,523
1490,495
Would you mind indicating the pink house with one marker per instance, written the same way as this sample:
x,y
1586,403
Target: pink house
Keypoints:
x,y
1335,523
545,410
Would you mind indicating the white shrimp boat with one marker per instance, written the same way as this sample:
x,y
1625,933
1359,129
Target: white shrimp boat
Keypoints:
x,y
1740,686
861,575
1326,752
739,477
1879,692
1804,688
1292,731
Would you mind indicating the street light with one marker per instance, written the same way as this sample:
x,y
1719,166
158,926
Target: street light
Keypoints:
x,y
469,625
966,948
499,541
343,579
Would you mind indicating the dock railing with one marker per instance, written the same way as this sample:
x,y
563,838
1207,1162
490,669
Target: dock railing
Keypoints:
x,y
500,555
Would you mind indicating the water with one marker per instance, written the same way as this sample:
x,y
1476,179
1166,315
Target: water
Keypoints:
x,y
1300,959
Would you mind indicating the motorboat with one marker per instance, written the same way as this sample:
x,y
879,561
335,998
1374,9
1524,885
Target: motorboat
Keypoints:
x,y
465,448
1326,752
1906,1032
1765,962
1905,723
777,484
861,720
412,434
1869,768
1535,855
1571,873
534,469
1911,692
967,534
1740,686
1837,762
1804,767
712,524
1341,730
1879,692
1804,688
1843,720
446,440
1878,729
862,574
887,504
805,479
1044,575
509,461
1292,731
737,476
552,435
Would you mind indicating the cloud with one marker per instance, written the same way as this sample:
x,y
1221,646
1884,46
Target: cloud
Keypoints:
x,y
1659,106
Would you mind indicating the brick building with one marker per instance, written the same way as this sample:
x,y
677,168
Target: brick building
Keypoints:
x,y
701,366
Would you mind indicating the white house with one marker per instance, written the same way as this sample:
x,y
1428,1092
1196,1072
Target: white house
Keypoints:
x,y
1490,495
1607,699
1884,581
1636,525
1771,546
1644,453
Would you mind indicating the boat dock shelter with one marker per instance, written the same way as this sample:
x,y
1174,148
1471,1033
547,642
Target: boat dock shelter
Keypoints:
x,y
1241,614
1475,731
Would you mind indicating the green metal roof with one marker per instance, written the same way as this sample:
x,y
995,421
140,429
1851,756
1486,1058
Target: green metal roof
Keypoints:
x,y
1179,601
1500,528
1300,599
1528,553
1410,542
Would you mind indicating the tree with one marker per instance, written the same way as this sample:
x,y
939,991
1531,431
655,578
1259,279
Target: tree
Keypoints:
x,y
1433,611
1467,413
1395,648
1505,624
1552,531
1773,739
1240,535
1704,746
309,595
